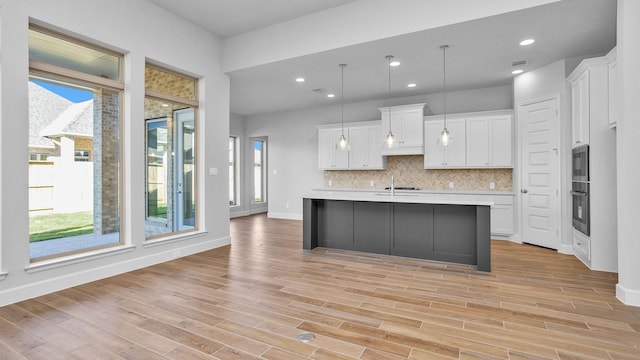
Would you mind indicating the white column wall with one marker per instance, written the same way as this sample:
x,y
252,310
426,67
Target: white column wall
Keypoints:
x,y
628,153
142,31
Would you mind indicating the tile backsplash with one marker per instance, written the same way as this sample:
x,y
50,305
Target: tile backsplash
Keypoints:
x,y
409,170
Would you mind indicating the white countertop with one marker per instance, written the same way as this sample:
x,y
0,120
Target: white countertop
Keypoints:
x,y
401,196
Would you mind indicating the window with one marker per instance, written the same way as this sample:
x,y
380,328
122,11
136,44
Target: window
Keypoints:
x,y
259,171
74,145
38,157
82,155
171,152
233,169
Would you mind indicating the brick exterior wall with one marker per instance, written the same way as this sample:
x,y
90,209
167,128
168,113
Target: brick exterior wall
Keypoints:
x,y
106,158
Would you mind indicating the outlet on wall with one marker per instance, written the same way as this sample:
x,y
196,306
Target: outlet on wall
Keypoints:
x,y
372,183
286,205
450,184
330,183
492,185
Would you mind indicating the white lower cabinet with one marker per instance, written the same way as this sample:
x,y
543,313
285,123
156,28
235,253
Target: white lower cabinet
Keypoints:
x,y
582,245
502,215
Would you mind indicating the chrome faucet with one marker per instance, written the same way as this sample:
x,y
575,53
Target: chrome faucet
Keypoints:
x,y
393,185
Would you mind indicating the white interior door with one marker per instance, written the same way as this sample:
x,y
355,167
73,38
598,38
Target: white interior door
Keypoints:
x,y
539,173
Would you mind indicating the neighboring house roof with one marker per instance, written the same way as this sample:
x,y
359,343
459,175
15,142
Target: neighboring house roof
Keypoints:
x,y
76,120
44,108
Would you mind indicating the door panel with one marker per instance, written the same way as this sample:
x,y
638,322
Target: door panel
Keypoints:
x,y
540,200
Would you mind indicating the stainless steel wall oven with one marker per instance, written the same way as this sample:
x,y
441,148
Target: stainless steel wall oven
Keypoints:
x,y
580,188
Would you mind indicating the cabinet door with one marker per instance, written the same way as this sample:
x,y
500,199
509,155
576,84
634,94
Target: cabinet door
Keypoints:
x,y
455,152
478,142
328,157
411,127
614,93
500,141
580,109
374,153
502,219
433,151
358,141
326,149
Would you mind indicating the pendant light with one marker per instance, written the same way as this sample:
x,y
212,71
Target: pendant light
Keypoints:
x,y
445,136
342,143
389,140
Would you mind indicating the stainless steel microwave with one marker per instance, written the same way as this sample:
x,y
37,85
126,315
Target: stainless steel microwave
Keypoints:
x,y
580,163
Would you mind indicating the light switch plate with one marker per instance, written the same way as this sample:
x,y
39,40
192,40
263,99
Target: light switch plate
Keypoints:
x,y
213,171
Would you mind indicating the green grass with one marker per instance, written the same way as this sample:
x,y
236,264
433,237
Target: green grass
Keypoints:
x,y
46,227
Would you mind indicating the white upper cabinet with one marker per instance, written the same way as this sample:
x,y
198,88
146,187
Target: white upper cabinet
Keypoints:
x,y
452,155
615,102
580,109
480,140
489,141
406,123
364,147
593,84
330,158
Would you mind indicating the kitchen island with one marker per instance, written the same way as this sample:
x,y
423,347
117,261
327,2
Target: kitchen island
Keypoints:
x,y
426,226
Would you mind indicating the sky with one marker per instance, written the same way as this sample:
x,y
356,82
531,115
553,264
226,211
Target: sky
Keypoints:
x,y
72,94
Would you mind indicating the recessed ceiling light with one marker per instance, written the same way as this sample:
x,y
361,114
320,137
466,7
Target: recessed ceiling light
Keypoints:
x,y
516,72
300,79
527,42
331,95
394,63
412,85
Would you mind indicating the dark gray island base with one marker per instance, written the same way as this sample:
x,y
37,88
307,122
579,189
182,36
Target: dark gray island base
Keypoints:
x,y
444,232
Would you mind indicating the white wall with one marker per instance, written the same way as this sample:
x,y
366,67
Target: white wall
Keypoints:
x,y
544,82
142,31
293,138
628,153
236,128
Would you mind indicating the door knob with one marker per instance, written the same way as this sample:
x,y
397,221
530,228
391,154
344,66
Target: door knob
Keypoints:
x,y
524,191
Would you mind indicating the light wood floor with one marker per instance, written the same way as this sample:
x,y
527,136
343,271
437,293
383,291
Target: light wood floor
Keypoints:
x,y
252,299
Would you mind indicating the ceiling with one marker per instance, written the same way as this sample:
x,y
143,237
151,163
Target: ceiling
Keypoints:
x,y
480,55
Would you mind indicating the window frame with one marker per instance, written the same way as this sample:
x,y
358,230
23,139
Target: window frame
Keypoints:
x,y
65,76
194,104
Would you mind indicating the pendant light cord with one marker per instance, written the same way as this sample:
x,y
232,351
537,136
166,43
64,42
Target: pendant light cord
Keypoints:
x,y
342,95
389,57
444,82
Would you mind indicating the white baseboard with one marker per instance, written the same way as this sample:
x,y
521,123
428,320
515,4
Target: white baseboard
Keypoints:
x,y
566,249
628,296
284,216
235,214
65,281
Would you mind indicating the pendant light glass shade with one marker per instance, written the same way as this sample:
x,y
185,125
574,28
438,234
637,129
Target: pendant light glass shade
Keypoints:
x,y
343,143
390,140
445,137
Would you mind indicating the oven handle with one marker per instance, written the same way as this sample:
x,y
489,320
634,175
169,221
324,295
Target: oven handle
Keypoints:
x,y
578,193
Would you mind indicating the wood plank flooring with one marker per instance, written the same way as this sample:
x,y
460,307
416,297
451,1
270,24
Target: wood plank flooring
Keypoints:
x,y
250,300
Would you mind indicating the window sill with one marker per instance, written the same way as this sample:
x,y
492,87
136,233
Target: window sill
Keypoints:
x,y
172,238
77,258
